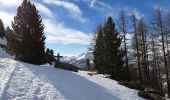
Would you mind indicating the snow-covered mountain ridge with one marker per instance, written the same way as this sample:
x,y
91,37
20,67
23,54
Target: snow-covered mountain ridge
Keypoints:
x,y
80,60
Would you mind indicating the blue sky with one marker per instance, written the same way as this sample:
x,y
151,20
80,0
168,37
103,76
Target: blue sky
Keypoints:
x,y
69,24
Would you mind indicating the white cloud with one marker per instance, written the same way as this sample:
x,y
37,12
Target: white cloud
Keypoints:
x,y
10,3
137,13
15,3
72,8
156,6
101,6
6,17
92,2
44,10
55,32
58,33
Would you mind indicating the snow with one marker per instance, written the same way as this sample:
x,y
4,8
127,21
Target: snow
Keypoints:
x,y
4,54
22,81
81,56
112,86
25,81
3,41
80,60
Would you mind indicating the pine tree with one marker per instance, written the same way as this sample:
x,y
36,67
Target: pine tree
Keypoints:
x,y
2,29
108,55
114,54
98,49
52,59
51,52
48,51
88,64
47,54
30,37
9,40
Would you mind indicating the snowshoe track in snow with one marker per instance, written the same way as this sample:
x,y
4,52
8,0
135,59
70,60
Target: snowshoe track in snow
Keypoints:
x,y
6,71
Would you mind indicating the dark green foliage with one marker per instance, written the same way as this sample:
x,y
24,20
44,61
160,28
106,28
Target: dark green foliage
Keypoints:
x,y
9,40
88,64
30,39
2,29
108,55
49,56
66,66
98,51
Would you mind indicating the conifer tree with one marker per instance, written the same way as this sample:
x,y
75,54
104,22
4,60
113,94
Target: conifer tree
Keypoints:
x,y
52,59
47,54
108,55
51,52
9,40
2,29
30,37
98,49
88,63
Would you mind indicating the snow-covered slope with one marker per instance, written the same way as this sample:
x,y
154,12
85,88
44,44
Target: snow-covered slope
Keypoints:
x,y
2,50
3,41
22,81
112,86
19,82
80,60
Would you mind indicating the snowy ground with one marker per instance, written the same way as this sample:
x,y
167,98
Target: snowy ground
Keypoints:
x,y
112,86
21,81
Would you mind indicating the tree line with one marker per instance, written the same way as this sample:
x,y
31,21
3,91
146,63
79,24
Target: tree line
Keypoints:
x,y
144,56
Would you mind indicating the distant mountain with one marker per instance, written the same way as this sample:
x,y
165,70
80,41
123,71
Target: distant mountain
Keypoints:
x,y
80,60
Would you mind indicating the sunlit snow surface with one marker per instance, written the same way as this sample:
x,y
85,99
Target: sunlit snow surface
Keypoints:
x,y
22,81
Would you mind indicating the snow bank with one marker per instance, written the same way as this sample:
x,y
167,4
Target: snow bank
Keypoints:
x,y
3,41
4,54
18,81
22,81
112,86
